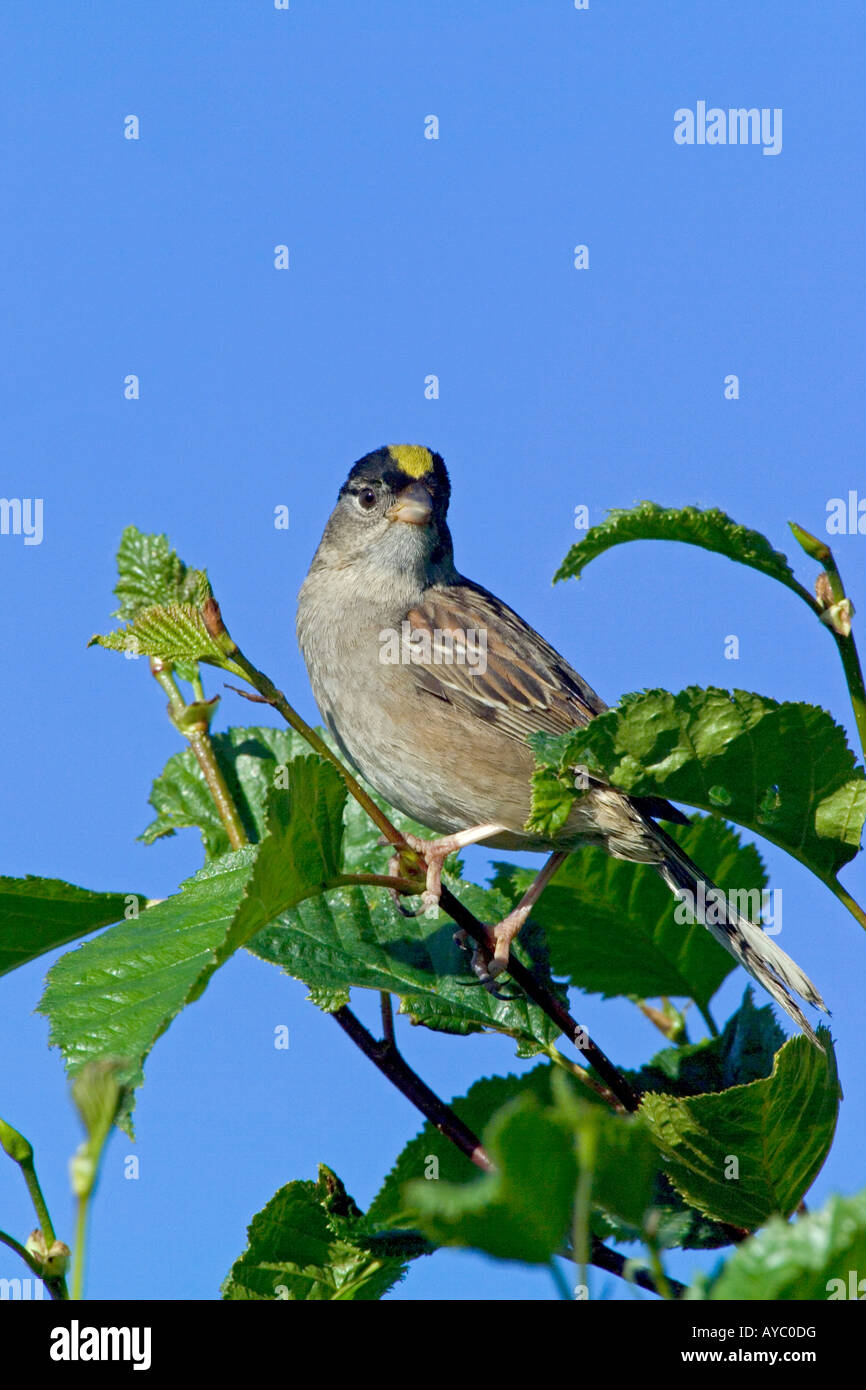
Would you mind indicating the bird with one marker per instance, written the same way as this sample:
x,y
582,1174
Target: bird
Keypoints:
x,y
430,686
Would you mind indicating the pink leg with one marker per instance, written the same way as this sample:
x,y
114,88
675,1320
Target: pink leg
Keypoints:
x,y
435,852
502,935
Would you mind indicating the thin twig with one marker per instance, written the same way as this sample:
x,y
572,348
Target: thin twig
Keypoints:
x,y
387,1018
193,721
611,1260
820,551
386,1056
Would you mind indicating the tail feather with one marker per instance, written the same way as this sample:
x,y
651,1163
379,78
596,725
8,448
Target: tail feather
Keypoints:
x,y
749,944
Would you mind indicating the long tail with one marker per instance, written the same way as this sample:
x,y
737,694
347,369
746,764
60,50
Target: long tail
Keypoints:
x,y
757,952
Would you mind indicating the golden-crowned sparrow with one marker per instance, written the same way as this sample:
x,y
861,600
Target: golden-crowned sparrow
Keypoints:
x,y
430,686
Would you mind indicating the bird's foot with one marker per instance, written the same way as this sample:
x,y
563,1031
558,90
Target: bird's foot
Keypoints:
x,y
489,961
433,854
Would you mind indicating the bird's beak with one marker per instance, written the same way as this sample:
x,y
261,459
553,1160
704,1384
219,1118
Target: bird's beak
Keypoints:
x,y
413,505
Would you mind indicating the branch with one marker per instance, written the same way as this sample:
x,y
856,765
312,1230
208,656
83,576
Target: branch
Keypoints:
x,y
544,998
386,1056
193,721
828,607
384,1053
547,1001
611,1260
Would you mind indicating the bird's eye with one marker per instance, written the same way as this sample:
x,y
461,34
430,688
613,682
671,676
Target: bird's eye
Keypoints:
x,y
366,498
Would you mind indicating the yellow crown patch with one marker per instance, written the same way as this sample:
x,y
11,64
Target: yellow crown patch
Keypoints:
x,y
411,459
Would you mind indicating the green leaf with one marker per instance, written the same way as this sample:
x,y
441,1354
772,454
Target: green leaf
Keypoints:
x,y
311,1242
611,925
351,937
433,1157
40,914
356,938
115,996
744,1051
712,530
753,1150
820,1257
300,852
328,1000
522,1211
151,573
173,632
782,770
248,759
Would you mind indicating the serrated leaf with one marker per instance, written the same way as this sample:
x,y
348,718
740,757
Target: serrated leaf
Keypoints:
x,y
524,1210
173,632
710,529
433,1157
40,914
784,771
350,937
150,572
328,1000
300,852
355,938
311,1243
115,996
820,1257
611,925
744,1051
751,1151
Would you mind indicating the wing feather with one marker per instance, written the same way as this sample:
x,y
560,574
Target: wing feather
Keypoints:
x,y
480,656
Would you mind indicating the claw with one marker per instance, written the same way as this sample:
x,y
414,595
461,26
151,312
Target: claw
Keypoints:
x,y
481,963
404,911
491,989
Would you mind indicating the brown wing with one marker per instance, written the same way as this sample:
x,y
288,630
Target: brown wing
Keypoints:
x,y
475,652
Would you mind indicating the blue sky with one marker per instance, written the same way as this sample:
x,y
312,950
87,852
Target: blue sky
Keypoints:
x,y
258,388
